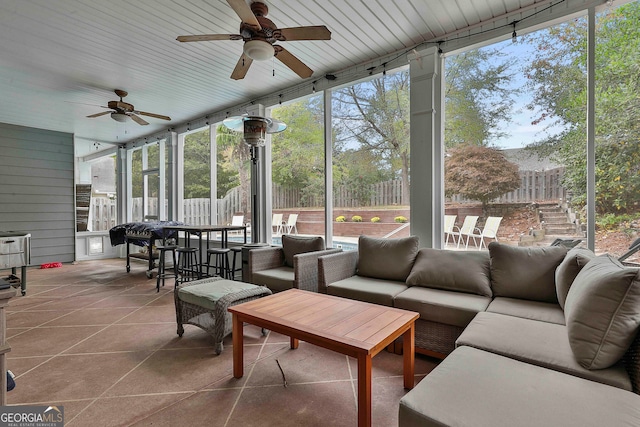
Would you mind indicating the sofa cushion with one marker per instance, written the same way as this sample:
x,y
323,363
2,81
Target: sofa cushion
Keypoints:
x,y
389,259
376,291
525,273
534,310
602,312
293,245
568,269
539,343
473,387
450,308
276,279
462,271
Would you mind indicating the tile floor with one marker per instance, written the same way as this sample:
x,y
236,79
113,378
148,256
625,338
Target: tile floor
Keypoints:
x,y
102,343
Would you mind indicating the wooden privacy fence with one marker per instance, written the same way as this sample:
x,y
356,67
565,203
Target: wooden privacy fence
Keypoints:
x,y
534,186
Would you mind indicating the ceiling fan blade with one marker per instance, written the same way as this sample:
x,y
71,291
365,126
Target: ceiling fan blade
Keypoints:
x,y
241,67
99,114
139,120
318,32
157,116
243,10
207,37
292,62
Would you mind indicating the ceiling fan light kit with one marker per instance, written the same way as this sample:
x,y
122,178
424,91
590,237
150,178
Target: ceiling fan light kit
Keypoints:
x,y
258,50
119,117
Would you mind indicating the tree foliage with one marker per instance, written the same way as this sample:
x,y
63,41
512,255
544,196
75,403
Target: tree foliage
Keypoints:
x,y
479,173
374,116
558,78
298,151
478,96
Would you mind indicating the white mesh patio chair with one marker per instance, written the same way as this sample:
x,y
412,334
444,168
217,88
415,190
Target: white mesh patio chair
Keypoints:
x,y
276,224
449,223
291,224
489,231
467,228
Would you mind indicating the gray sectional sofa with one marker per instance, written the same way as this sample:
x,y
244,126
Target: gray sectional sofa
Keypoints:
x,y
531,336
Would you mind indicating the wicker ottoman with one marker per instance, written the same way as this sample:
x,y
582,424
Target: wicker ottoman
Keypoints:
x,y
204,303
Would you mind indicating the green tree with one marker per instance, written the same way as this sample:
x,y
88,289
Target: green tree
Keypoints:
x,y
298,151
479,173
557,77
374,115
478,96
197,165
234,167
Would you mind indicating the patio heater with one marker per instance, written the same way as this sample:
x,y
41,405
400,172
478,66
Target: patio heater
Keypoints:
x,y
254,129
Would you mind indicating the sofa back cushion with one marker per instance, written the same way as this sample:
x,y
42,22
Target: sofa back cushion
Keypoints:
x,y
389,259
602,312
461,271
294,245
525,273
568,269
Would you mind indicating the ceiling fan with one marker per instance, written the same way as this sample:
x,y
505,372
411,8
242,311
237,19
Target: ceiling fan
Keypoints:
x,y
259,34
121,111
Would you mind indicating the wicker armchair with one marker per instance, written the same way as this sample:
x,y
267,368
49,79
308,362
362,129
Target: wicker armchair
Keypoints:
x,y
267,268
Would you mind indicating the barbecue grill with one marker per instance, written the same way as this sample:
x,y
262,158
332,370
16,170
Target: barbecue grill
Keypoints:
x,y
15,251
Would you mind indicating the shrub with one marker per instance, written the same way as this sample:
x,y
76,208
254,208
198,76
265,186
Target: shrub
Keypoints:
x,y
375,219
400,219
356,218
341,218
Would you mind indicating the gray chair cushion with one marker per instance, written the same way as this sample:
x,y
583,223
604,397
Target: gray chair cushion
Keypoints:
x,y
539,343
459,271
525,273
603,312
293,245
476,388
276,279
450,308
376,291
388,259
534,310
568,269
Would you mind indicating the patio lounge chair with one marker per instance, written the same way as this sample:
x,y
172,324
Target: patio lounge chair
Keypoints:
x,y
276,224
490,231
449,223
291,224
467,228
237,220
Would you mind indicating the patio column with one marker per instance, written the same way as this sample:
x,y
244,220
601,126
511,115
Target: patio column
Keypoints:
x,y
427,159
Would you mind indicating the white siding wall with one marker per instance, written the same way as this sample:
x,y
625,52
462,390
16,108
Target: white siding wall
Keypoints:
x,y
37,190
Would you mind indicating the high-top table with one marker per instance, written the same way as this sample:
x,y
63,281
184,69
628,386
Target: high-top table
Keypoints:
x,y
354,328
200,230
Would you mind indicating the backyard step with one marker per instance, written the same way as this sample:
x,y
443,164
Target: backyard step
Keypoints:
x,y
563,230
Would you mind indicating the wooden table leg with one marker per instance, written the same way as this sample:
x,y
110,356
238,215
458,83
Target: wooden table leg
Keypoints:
x,y
409,356
294,343
238,349
364,390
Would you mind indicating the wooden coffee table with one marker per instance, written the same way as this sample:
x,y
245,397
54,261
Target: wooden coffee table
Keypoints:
x,y
357,329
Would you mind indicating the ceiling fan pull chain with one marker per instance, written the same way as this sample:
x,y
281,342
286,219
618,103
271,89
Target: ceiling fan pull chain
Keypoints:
x,y
273,66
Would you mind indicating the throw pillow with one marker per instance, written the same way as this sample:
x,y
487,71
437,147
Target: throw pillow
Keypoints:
x,y
525,273
294,245
568,269
460,271
389,259
602,312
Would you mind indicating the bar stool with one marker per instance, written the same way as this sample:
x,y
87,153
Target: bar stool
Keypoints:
x,y
188,268
221,265
163,272
233,268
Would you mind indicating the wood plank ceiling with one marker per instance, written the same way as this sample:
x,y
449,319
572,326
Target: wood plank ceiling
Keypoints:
x,y
60,60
